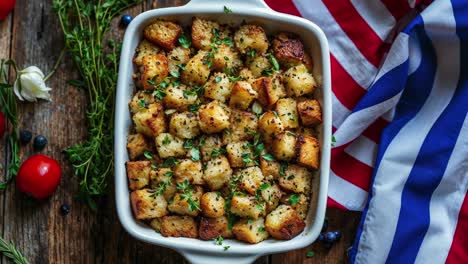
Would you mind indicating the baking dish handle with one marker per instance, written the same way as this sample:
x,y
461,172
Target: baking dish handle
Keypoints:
x,y
237,4
204,258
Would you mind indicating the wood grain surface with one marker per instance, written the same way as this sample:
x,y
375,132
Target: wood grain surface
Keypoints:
x,y
31,36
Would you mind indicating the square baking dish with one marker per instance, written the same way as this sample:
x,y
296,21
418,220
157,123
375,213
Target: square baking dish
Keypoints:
x,y
250,11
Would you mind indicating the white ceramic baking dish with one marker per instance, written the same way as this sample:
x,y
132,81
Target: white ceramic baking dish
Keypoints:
x,y
251,11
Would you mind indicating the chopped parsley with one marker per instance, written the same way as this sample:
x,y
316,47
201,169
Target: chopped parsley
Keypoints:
x,y
251,53
264,187
227,10
195,154
293,199
184,41
226,248
148,154
268,157
166,140
219,240
175,74
310,254
142,103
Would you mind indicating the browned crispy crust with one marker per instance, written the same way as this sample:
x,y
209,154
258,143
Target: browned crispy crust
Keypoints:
x,y
289,228
163,33
288,49
211,228
310,112
308,152
179,226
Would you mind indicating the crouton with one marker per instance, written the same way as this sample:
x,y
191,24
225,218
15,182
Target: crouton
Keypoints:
x,y
161,179
284,146
184,125
258,64
144,48
218,87
246,75
226,57
137,145
169,146
247,206
138,173
212,228
180,202
271,194
196,70
217,172
177,57
212,204
242,95
251,37
179,97
310,112
269,90
156,224
189,170
140,101
250,179
250,231
287,112
296,179
284,223
288,49
308,152
270,168
154,69
240,154
163,33
150,121
298,81
179,226
211,144
299,202
146,204
243,126
214,117
202,33
270,125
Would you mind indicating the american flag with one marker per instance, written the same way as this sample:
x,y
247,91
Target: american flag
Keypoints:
x,y
400,120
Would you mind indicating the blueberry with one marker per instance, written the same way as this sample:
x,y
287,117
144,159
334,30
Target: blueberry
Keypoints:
x,y
331,237
25,136
40,142
65,209
125,20
321,237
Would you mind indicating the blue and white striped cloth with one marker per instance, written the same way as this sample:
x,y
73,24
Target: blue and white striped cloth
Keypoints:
x,y
417,210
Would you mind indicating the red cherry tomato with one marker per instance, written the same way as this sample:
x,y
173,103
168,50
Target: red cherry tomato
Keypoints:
x,y
39,176
2,125
5,8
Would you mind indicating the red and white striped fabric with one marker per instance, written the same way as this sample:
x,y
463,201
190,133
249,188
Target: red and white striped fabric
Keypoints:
x,y
359,33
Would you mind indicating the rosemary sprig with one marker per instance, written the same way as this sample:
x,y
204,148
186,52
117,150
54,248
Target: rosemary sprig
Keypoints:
x,y
9,107
85,24
9,251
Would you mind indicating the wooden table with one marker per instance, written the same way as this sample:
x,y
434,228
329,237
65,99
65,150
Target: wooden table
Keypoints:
x,y
31,36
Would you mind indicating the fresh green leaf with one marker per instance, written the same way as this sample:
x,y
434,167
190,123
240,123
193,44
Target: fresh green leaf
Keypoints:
x,y
268,157
226,248
261,229
170,111
219,240
294,199
195,154
246,157
283,166
264,187
310,254
9,251
166,140
227,10
218,152
184,41
194,108
175,74
251,53
148,154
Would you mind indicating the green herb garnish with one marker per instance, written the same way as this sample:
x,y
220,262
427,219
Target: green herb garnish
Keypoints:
x,y
185,42
293,199
227,10
268,157
9,251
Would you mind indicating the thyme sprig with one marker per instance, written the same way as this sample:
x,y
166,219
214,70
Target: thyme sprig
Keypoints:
x,y
85,24
8,250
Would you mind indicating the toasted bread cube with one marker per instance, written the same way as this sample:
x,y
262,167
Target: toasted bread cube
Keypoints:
x,y
196,70
298,202
270,125
243,126
217,173
287,112
169,146
156,224
163,33
179,226
189,170
162,179
238,153
210,144
136,145
258,64
218,87
310,112
246,75
213,117
284,146
284,223
296,179
250,231
226,57
212,228
270,168
178,56
138,173
308,152
271,196
306,131
202,33
184,125
251,37
180,204
298,81
212,204
269,90
150,121
288,49
146,204
177,98
144,48
250,179
154,69
247,206
242,95
140,101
